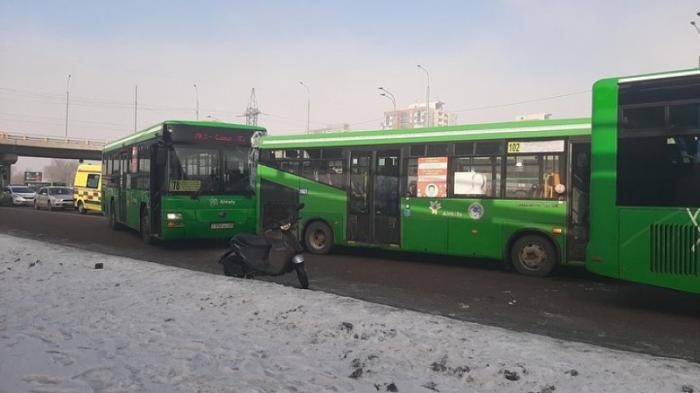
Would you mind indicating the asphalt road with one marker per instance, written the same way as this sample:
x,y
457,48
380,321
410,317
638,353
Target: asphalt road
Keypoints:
x,y
571,305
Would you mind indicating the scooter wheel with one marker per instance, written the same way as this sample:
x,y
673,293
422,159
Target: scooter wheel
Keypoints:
x,y
301,274
231,268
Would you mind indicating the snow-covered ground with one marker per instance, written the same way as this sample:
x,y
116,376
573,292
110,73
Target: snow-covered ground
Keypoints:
x,y
136,326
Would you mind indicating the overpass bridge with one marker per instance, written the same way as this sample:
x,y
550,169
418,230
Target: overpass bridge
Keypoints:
x,y
25,145
14,145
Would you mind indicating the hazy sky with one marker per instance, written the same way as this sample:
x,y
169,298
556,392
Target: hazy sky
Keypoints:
x,y
479,53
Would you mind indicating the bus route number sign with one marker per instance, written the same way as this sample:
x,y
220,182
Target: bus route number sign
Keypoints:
x,y
513,147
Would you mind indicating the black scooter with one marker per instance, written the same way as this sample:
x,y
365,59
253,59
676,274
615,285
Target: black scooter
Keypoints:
x,y
274,253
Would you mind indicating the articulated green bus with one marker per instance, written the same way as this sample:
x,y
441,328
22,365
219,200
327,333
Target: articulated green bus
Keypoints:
x,y
517,192
513,191
182,179
645,186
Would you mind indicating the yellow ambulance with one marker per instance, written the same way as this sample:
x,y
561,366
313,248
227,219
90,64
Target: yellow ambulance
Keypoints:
x,y
87,188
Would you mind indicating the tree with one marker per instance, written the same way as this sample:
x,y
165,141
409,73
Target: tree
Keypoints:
x,y
61,171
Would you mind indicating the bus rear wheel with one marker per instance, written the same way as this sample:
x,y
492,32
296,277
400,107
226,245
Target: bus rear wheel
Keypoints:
x,y
533,255
81,207
318,238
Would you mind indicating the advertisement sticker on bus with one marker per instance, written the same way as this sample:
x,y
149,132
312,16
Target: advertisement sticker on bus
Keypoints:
x,y
432,177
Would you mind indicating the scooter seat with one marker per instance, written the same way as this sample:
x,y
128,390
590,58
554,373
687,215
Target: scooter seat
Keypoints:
x,y
253,241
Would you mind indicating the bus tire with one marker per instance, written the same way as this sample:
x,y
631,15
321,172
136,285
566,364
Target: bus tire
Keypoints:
x,y
146,234
533,255
318,238
113,217
81,207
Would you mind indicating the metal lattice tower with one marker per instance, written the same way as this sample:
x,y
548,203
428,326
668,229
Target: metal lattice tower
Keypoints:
x,y
252,111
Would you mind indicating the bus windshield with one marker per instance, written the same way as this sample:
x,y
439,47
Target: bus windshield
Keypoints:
x,y
209,171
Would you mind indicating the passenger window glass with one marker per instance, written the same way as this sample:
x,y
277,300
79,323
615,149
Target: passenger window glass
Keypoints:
x,y
464,149
686,115
477,176
416,150
534,177
489,148
437,149
644,118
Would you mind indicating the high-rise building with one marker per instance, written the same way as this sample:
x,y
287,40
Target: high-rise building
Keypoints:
x,y
415,116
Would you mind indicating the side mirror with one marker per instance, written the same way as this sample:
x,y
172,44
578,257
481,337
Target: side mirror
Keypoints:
x,y
301,206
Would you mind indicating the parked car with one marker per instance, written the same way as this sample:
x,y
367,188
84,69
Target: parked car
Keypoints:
x,y
54,198
20,195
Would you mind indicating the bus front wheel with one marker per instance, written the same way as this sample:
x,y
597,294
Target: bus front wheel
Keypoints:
x,y
318,238
533,255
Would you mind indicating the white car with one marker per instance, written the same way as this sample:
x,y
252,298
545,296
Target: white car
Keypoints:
x,y
21,195
54,198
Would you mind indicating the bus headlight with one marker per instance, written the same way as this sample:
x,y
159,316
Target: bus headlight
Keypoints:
x,y
174,220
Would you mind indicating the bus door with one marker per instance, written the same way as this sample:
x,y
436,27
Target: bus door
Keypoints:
x,y
385,198
579,198
373,197
359,197
123,173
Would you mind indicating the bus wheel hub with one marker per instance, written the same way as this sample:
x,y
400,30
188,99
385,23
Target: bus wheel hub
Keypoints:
x,y
533,256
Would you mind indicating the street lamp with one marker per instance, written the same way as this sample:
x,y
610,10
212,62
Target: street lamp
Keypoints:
x,y
692,22
196,97
308,105
67,101
386,93
426,122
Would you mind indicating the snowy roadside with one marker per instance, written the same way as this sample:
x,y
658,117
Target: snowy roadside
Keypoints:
x,y
138,326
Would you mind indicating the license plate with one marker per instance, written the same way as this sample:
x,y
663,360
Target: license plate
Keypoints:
x,y
222,225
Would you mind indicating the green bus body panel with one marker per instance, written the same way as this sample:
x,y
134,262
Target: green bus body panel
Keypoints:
x,y
603,238
450,230
197,214
641,244
510,130
321,201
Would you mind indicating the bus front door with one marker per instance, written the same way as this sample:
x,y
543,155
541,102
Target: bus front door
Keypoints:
x,y
373,197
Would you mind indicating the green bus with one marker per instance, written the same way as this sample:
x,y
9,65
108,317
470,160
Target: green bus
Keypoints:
x,y
645,186
514,191
182,179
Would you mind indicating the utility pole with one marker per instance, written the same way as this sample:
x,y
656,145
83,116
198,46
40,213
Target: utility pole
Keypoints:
x,y
252,111
427,97
196,97
67,102
692,22
308,106
136,107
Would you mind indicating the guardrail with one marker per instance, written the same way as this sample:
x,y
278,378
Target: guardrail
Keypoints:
x,y
31,139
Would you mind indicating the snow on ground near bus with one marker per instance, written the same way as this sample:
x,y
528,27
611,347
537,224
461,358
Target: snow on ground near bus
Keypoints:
x,y
138,326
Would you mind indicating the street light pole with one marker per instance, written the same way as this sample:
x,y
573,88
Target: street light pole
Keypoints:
x,y
692,22
308,106
386,93
427,96
67,102
136,107
196,97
